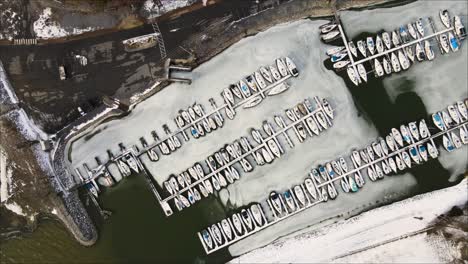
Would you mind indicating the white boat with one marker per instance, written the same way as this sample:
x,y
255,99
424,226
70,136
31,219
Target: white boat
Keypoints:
x,y
282,67
336,167
397,137
464,135
406,134
462,110
422,152
340,64
310,188
236,222
244,89
329,170
153,155
259,158
324,195
291,67
266,74
384,147
275,73
253,102
413,128
312,125
191,196
276,202
338,56
179,121
344,185
274,148
168,187
420,55
316,175
361,47
459,28
395,38
352,48
217,234
228,176
420,27
428,49
198,109
392,164
445,18
246,165
278,89
353,75
251,83
257,214
448,144
192,114
331,192
410,53
216,183
400,163
207,238
260,80
330,35
328,28
403,34
236,91
437,119
184,201
386,40
300,195
362,72
208,186
386,168
334,50
230,113
289,200
371,174
203,190
379,44
456,140
423,130
414,153
443,39
454,114
412,31
395,63
321,120
123,168
235,174
446,118
378,68
387,66
390,141
454,45
226,229
432,150
327,108
405,64
370,153
356,158
187,178
406,158
245,216
359,180
364,156
302,132
377,149
370,45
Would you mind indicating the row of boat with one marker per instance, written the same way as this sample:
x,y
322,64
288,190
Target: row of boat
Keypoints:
x,y
235,227
403,148
190,185
456,114
250,91
197,121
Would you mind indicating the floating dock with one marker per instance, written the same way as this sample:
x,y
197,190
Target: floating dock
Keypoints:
x,y
274,218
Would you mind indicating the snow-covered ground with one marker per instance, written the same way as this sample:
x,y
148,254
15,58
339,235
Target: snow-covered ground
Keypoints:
x,y
5,176
438,83
151,10
45,27
373,229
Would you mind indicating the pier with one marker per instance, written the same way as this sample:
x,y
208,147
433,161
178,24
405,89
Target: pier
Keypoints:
x,y
286,212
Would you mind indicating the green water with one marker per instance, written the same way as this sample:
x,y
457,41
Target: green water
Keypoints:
x,y
136,232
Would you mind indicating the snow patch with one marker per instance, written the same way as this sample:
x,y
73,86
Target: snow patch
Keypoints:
x,y
366,230
15,208
45,28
